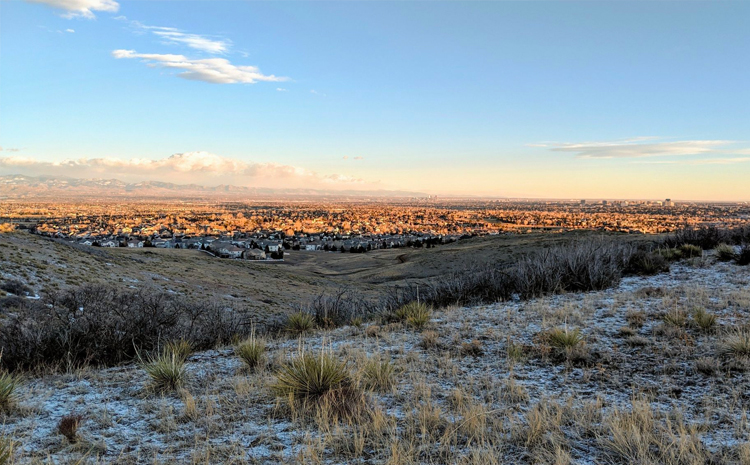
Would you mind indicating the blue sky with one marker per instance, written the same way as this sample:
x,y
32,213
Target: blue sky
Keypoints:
x,y
534,99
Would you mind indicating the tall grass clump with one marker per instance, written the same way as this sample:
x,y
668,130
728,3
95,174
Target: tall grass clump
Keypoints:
x,y
9,384
379,374
6,450
181,348
251,351
299,323
320,381
416,314
564,338
690,251
725,253
704,319
735,345
166,371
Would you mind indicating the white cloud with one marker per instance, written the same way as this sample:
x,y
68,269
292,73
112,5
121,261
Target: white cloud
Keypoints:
x,y
80,8
70,30
199,167
315,92
212,70
644,147
172,35
281,89
195,41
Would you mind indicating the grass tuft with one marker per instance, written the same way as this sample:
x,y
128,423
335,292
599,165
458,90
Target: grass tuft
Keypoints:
x,y
415,314
735,345
676,317
299,323
322,382
68,427
6,450
167,371
725,253
181,348
690,251
564,338
251,351
8,386
704,319
379,374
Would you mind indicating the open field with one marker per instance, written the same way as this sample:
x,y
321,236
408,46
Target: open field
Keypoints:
x,y
651,376
268,290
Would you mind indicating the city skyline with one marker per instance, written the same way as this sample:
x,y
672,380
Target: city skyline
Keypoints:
x,y
586,100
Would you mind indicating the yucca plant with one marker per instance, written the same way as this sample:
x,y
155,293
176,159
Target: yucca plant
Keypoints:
x,y
299,323
379,374
725,252
419,317
415,314
8,386
703,319
167,371
251,351
735,345
181,348
308,377
564,338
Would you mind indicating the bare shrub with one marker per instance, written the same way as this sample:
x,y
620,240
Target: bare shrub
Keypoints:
x,y
16,287
106,325
68,427
743,258
342,308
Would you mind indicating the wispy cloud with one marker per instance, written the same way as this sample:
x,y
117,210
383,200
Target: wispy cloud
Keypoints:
x,y
173,35
645,147
211,70
80,8
182,167
315,92
281,89
9,150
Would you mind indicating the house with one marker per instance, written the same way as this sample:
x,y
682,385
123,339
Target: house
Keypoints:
x,y
135,243
253,254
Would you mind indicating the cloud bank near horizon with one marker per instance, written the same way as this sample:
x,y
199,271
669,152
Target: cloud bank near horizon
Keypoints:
x,y
189,167
652,147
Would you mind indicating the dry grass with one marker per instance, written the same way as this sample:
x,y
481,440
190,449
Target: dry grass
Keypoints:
x,y
252,351
735,345
318,381
379,374
166,372
299,323
9,384
704,320
68,427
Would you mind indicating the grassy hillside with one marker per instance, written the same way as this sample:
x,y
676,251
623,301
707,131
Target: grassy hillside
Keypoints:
x,y
266,288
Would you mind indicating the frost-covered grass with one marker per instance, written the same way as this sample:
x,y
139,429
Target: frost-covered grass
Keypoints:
x,y
653,393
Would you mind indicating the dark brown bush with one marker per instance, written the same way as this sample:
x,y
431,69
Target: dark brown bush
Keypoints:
x,y
106,325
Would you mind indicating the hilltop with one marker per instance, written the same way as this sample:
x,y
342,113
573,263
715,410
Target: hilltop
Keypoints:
x,y
268,290
640,373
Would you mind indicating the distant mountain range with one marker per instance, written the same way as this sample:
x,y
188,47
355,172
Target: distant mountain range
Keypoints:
x,y
20,186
